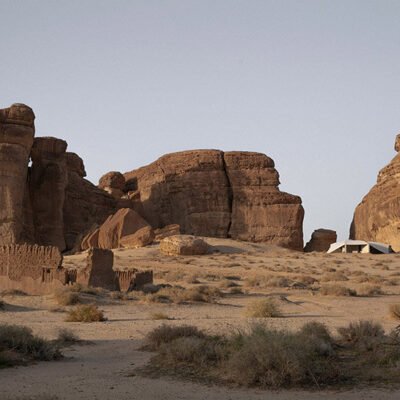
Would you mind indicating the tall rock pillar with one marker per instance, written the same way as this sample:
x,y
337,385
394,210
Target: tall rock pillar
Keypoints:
x,y
17,131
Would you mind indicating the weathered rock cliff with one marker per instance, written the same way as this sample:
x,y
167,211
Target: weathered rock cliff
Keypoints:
x,y
377,217
212,193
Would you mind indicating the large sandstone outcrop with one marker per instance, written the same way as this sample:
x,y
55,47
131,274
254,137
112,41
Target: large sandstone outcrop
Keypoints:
x,y
16,138
377,217
184,245
48,180
320,241
85,204
212,193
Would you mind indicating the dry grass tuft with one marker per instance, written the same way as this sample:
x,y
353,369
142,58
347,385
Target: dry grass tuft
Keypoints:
x,y
264,308
85,313
368,290
336,290
2,305
18,345
394,310
66,337
159,316
66,297
13,292
180,295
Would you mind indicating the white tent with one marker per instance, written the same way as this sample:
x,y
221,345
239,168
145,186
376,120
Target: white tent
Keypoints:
x,y
360,246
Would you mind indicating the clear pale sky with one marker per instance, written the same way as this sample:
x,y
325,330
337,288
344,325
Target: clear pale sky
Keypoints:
x,y
313,84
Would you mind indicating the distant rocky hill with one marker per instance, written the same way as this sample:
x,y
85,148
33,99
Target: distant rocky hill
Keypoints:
x,y
377,217
206,192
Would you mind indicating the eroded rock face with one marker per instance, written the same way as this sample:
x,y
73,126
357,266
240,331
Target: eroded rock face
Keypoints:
x,y
260,211
211,193
141,238
320,241
377,217
85,204
123,223
48,181
17,131
184,245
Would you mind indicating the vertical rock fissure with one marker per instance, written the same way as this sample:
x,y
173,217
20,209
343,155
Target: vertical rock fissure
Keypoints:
x,y
230,195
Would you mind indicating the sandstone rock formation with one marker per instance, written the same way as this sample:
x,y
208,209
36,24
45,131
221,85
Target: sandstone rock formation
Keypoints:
x,y
377,217
114,183
320,241
16,138
48,180
142,237
212,193
169,230
85,204
184,245
123,223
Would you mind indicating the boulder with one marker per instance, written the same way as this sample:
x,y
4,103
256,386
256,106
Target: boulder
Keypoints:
x,y
320,241
141,238
217,194
91,239
123,223
377,217
17,131
75,164
169,230
113,180
184,245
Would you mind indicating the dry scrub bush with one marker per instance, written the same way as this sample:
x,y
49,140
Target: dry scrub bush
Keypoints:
x,y
394,310
165,334
13,292
66,337
264,308
85,313
2,305
66,297
334,277
18,345
336,290
262,357
367,290
159,316
179,295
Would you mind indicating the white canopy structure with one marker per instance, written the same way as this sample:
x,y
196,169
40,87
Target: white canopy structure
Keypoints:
x,y
360,246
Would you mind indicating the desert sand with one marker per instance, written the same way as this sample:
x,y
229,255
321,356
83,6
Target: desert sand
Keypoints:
x,y
104,365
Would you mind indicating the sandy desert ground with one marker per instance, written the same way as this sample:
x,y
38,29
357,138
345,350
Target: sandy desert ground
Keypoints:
x,y
105,366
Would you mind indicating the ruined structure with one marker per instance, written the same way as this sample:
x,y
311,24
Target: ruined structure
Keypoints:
x,y
377,217
98,271
212,193
31,268
133,279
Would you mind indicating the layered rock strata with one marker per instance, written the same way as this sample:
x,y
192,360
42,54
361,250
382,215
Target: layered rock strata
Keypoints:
x,y
377,217
212,193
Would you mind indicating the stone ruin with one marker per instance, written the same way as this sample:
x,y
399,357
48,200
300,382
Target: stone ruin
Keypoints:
x,y
38,270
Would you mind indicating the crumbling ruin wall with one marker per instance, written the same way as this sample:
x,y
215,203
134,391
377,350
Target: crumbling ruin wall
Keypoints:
x,y
31,268
133,279
99,270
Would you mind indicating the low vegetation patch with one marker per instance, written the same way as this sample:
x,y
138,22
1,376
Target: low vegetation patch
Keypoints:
x,y
394,310
336,290
2,305
263,308
270,358
368,290
159,315
85,313
18,345
66,337
66,297
180,295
